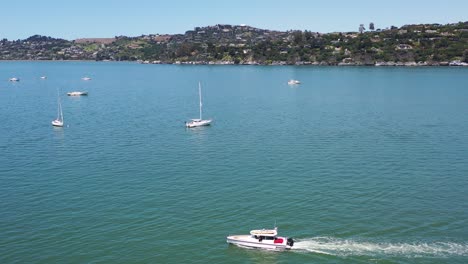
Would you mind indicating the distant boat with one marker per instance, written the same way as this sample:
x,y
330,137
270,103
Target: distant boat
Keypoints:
x,y
86,78
293,82
199,121
76,93
14,79
43,77
59,121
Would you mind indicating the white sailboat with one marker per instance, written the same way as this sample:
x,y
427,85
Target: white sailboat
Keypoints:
x,y
77,93
199,121
293,82
59,121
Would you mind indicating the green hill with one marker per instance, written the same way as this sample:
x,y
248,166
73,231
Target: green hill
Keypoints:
x,y
425,44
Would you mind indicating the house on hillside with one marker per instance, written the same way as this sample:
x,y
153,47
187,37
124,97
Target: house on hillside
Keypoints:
x,y
403,47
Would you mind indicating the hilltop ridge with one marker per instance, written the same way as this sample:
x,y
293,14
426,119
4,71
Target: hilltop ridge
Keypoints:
x,y
411,45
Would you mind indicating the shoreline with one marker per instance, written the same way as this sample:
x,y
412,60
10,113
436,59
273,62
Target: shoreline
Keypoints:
x,y
455,64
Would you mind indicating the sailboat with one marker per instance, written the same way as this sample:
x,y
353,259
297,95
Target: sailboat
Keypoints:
x,y
59,121
199,121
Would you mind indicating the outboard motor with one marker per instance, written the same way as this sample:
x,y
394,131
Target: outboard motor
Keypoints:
x,y
290,242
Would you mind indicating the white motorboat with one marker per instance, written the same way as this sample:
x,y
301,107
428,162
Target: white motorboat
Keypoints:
x,y
43,77
59,121
76,93
293,82
14,79
86,78
197,122
263,239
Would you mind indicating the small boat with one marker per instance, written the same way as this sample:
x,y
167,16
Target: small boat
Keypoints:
x,y
59,121
86,78
293,82
43,77
198,121
76,93
263,239
14,79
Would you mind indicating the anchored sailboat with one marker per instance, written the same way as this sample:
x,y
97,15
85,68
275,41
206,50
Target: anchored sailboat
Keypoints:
x,y
198,122
59,121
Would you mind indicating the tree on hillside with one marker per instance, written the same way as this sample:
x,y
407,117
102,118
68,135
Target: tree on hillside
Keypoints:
x,y
371,26
184,50
297,37
361,28
307,35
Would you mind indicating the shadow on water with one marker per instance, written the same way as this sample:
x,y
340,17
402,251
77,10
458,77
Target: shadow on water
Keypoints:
x,y
59,132
198,134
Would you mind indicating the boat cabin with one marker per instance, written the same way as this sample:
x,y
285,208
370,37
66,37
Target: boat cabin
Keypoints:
x,y
266,234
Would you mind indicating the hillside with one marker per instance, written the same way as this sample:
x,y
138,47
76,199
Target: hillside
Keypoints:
x,y
428,44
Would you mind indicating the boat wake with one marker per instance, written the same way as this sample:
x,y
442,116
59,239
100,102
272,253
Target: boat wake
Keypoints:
x,y
344,247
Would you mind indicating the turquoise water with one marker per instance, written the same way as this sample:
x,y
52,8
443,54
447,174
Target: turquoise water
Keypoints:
x,y
359,165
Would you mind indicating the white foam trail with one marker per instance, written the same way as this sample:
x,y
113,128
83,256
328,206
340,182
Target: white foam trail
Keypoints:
x,y
344,247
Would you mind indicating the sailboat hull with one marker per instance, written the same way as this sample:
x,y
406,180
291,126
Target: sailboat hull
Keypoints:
x,y
197,123
57,123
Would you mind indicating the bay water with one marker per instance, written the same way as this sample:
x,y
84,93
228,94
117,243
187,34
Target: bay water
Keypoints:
x,y
357,164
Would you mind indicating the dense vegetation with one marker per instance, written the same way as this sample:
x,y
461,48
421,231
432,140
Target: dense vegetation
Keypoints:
x,y
428,44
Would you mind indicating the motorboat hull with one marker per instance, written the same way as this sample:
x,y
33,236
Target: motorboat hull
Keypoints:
x,y
249,242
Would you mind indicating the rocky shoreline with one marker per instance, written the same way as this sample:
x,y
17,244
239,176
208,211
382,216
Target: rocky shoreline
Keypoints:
x,y
283,63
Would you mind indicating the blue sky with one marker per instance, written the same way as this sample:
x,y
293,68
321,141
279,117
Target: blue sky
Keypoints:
x,y
105,18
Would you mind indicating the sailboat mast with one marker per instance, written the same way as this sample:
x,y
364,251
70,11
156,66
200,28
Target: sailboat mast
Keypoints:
x,y
58,104
61,111
199,95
